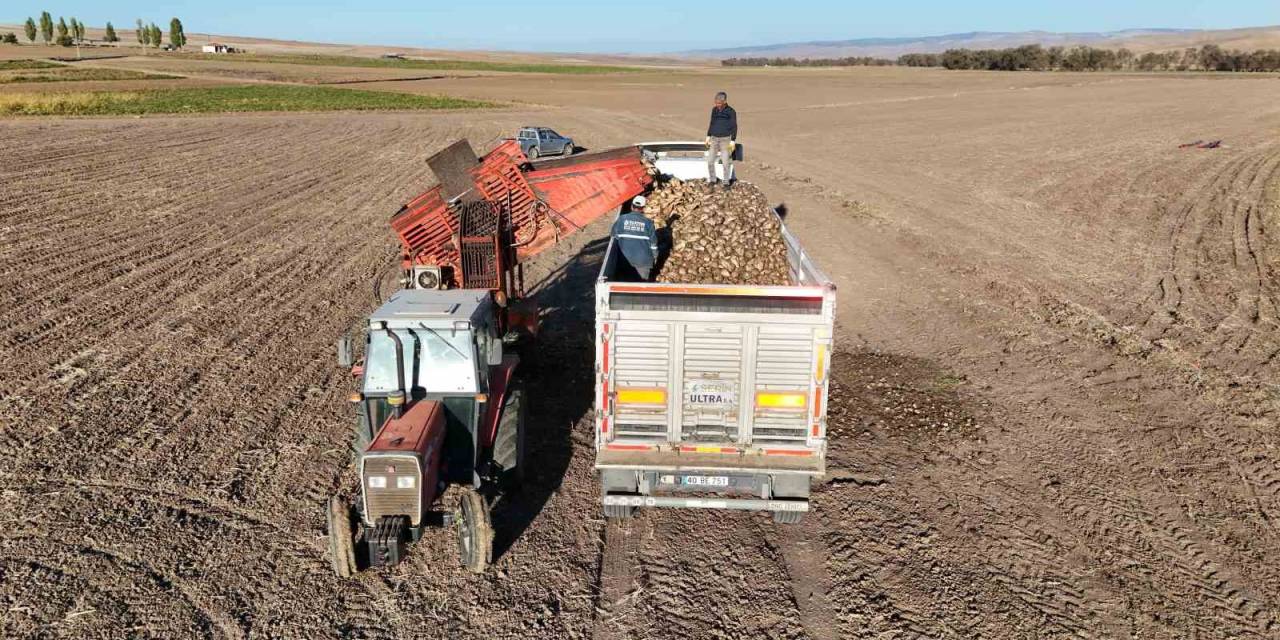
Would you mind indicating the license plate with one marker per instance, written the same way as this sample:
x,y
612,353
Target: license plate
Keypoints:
x,y
711,393
705,481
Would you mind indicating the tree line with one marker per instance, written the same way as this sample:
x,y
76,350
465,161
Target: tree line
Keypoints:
x,y
1210,57
72,33
865,61
1034,57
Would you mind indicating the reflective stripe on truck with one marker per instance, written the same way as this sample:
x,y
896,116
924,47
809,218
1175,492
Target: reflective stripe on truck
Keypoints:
x,y
744,504
603,380
721,290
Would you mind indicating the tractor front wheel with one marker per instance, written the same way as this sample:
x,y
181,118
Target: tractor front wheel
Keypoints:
x,y
475,532
341,544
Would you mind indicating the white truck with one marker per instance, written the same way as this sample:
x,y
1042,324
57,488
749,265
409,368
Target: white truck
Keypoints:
x,y
708,395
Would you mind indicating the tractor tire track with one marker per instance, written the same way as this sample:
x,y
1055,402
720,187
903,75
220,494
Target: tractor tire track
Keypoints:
x,y
1216,295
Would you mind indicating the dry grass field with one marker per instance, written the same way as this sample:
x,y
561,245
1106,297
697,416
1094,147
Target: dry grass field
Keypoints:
x,y
1056,414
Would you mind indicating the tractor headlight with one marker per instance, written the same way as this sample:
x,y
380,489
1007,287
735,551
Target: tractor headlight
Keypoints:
x,y
378,482
405,482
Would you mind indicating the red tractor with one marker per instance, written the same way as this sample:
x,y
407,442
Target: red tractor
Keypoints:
x,y
441,401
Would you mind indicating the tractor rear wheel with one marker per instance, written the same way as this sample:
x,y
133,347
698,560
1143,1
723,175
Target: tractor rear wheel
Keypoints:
x,y
341,545
475,533
508,444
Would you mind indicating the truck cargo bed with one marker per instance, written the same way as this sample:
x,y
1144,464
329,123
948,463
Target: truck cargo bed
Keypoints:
x,y
716,389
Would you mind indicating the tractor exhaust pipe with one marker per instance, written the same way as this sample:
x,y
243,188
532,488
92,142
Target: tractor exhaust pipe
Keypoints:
x,y
399,403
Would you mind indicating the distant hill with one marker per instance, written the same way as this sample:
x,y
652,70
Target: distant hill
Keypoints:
x,y
1139,40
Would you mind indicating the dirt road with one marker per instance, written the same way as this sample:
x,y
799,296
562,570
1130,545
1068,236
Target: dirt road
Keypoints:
x,y
1056,416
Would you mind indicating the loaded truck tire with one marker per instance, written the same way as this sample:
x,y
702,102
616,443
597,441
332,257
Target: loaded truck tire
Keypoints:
x,y
788,517
475,532
341,542
618,511
508,444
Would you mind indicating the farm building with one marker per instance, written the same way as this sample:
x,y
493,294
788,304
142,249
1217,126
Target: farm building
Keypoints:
x,y
214,47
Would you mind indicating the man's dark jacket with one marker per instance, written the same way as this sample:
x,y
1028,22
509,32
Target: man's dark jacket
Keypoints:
x,y
637,238
724,123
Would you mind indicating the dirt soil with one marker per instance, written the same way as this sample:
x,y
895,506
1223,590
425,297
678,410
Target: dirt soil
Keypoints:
x,y
1055,414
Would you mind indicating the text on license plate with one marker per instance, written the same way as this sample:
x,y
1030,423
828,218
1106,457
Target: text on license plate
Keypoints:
x,y
705,481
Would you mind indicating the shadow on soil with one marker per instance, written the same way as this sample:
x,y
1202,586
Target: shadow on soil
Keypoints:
x,y
559,377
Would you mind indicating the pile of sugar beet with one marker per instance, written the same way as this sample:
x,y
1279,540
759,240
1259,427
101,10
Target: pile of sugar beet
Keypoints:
x,y
719,236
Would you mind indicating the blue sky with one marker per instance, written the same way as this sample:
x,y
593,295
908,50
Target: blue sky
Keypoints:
x,y
648,26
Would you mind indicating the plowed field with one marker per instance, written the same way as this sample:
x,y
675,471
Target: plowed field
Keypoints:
x,y
1055,414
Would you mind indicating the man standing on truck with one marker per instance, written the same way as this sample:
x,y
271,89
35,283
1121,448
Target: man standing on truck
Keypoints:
x,y
722,137
637,238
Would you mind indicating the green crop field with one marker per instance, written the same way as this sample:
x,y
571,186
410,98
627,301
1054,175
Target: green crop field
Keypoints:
x,y
264,97
13,65
433,65
71,74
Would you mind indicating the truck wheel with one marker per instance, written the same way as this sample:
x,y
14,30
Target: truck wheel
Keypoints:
x,y
508,444
788,517
568,150
618,511
475,533
533,153
341,546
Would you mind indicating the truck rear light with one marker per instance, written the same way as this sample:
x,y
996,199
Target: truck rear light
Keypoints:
x,y
793,400
697,449
630,447
642,396
820,371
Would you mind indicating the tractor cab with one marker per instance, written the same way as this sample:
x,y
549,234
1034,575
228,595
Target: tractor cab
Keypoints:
x,y
433,359
432,345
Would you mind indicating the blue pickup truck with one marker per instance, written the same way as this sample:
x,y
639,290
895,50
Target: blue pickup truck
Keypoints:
x,y
542,141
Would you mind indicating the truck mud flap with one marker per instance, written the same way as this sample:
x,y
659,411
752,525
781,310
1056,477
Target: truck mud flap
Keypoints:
x,y
741,504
